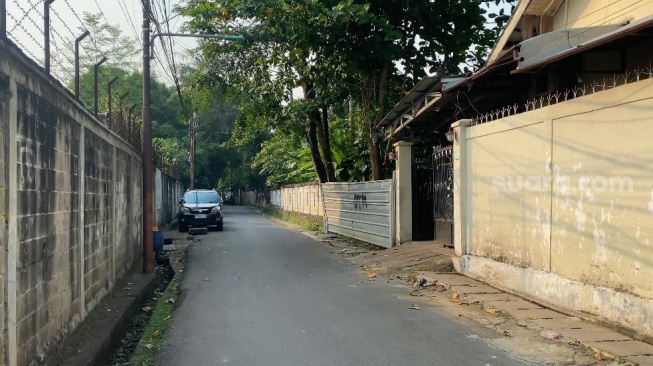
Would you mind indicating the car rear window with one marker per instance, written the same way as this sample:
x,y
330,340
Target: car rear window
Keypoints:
x,y
201,197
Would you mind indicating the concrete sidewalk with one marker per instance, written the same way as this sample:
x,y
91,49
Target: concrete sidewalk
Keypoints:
x,y
553,325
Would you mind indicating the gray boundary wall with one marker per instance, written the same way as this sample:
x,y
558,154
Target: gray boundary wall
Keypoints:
x,y
71,198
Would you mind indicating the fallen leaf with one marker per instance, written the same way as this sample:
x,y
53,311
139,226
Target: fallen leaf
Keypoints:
x,y
507,333
157,333
167,318
454,295
147,309
415,293
558,336
170,301
532,317
505,299
415,307
373,252
598,356
148,345
454,300
491,310
440,288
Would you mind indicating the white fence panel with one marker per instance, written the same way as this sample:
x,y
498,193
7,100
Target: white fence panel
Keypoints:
x,y
365,211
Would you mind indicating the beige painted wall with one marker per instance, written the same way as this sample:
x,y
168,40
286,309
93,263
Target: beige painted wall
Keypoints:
x,y
588,13
594,230
304,199
510,225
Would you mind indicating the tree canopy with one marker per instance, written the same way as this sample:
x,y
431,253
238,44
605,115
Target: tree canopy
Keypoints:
x,y
348,60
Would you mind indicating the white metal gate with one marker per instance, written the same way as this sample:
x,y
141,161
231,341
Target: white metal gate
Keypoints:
x,y
365,211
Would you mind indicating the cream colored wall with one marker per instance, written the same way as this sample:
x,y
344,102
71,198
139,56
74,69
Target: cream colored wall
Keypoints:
x,y
596,237
509,225
606,217
305,199
588,13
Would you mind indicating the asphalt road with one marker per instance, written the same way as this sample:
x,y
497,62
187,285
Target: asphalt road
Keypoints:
x,y
261,294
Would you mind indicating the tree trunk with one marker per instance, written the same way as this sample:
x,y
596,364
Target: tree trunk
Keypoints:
x,y
322,124
375,152
311,136
314,138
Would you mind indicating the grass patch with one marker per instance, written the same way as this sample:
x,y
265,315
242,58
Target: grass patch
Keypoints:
x,y
358,243
434,266
152,339
307,222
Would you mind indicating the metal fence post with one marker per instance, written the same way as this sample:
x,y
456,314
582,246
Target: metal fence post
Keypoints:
x,y
3,19
46,33
110,101
96,70
79,39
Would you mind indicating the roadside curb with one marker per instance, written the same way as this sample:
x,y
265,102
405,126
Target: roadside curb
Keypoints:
x,y
551,324
94,340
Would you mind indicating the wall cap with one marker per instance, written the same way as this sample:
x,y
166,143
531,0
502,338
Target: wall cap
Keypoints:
x,y
462,123
403,143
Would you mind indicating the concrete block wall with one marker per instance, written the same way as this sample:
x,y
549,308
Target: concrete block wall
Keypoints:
x,y
47,217
123,221
305,199
167,193
70,195
4,117
98,218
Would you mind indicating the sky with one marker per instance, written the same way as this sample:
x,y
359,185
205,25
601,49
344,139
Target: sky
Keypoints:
x,y
25,25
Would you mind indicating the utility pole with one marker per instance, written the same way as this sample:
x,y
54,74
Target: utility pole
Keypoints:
x,y
193,128
148,205
148,169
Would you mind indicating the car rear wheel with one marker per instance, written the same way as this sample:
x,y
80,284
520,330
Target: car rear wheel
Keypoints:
x,y
219,227
183,228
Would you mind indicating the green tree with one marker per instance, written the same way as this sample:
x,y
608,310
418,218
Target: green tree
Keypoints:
x,y
335,50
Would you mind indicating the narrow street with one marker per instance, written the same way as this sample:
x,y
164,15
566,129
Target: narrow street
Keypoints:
x,y
259,293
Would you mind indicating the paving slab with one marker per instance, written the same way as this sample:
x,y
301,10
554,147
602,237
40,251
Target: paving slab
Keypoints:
x,y
641,360
562,323
533,314
624,348
477,289
487,297
455,280
594,334
512,305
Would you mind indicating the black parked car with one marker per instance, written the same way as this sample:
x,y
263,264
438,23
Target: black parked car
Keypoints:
x,y
200,208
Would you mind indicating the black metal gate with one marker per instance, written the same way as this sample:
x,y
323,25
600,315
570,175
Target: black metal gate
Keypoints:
x,y
443,195
422,182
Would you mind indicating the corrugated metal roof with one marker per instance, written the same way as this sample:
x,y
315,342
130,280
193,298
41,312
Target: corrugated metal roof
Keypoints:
x,y
545,49
424,86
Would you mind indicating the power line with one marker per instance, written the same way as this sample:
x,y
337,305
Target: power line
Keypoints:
x,y
123,8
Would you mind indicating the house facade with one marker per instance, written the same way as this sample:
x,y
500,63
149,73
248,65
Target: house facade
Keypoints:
x,y
553,160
